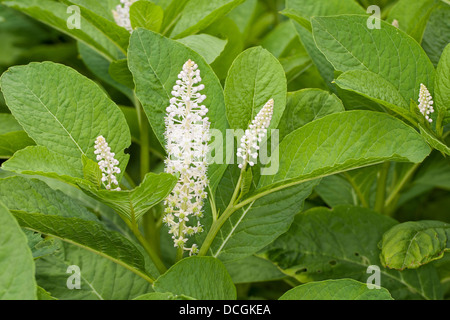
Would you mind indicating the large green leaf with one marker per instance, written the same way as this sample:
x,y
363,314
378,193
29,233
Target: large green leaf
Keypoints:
x,y
203,278
100,278
89,235
327,244
56,15
442,86
341,289
64,111
414,243
16,261
133,204
254,77
35,196
301,11
256,225
306,105
344,141
199,14
155,78
349,45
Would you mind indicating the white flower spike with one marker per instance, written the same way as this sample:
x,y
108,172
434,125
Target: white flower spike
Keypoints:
x,y
187,135
256,131
107,164
122,14
425,102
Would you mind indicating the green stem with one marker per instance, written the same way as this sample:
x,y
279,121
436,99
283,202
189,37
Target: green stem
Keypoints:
x,y
151,252
393,196
215,227
381,187
144,129
357,189
151,230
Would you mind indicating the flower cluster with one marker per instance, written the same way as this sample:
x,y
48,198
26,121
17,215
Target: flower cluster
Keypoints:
x,y
256,131
107,164
187,135
425,102
122,14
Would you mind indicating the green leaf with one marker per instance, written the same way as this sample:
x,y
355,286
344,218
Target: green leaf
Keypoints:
x,y
307,105
101,66
12,136
301,11
91,171
56,15
254,77
100,278
67,123
341,289
256,225
38,160
253,269
145,14
414,243
320,245
116,34
44,295
412,16
197,15
35,196
442,86
433,141
374,87
89,235
207,46
162,296
436,36
41,247
203,278
16,261
225,28
131,205
118,70
155,78
344,141
374,51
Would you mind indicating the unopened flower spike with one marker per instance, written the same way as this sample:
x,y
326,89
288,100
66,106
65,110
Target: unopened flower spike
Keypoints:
x,y
107,163
187,135
122,14
248,150
425,102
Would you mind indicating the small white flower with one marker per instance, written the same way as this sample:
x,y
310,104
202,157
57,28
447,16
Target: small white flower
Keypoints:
x,y
248,150
187,135
425,102
107,163
122,14
395,23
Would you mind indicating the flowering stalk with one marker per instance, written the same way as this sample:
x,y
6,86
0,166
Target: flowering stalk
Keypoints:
x,y
256,131
122,14
107,163
425,102
187,135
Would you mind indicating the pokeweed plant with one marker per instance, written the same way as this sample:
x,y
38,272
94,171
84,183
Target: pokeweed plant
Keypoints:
x,y
286,150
